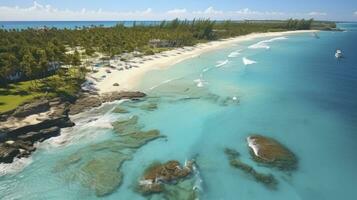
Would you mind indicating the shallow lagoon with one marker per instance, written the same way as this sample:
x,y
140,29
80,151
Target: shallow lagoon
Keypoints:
x,y
297,93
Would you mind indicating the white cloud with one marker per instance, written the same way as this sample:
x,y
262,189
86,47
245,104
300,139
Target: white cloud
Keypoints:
x,y
38,11
355,13
247,11
314,13
177,11
209,11
47,12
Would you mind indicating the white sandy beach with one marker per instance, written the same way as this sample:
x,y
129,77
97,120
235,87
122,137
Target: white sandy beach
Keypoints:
x,y
128,79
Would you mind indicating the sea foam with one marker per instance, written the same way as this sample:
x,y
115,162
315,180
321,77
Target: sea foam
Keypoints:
x,y
234,54
253,145
264,44
163,82
246,61
221,63
15,167
198,180
200,82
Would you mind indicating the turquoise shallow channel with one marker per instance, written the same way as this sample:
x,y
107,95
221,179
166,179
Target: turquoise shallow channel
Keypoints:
x,y
289,88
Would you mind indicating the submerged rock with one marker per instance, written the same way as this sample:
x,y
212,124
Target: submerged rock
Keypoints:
x,y
227,101
138,139
103,175
127,126
149,106
231,153
120,109
267,179
98,166
270,152
157,175
184,190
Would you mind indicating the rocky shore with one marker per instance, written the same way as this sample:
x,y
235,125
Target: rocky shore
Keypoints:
x,y
35,122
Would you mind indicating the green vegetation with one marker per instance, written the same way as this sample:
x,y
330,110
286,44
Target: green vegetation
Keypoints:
x,y
65,84
15,95
34,54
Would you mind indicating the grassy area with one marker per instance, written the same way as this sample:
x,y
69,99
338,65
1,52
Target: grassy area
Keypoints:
x,y
17,94
65,85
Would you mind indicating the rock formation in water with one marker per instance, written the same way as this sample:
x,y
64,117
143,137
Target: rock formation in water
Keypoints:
x,y
127,126
270,152
151,106
158,175
98,166
267,179
183,190
120,109
86,102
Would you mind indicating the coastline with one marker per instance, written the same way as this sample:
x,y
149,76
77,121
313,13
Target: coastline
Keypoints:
x,y
44,119
129,80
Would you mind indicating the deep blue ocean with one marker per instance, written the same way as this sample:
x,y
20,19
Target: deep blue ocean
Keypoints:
x,y
291,88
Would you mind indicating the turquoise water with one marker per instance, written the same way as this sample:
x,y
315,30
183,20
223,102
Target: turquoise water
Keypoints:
x,y
297,92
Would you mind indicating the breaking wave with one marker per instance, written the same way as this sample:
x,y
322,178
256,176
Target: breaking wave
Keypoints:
x,y
246,61
15,167
200,82
264,44
234,54
162,83
221,63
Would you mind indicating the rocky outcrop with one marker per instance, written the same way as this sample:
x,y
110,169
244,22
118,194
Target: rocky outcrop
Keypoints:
x,y
8,153
27,109
32,108
40,135
58,117
157,175
87,102
270,152
114,96
12,149
42,119
17,138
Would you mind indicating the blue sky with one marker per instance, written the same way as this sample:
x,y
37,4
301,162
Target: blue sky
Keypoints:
x,y
168,9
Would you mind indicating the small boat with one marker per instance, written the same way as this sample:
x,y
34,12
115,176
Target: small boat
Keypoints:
x,y
315,35
338,53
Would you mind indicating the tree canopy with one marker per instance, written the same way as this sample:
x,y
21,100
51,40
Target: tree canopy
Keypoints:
x,y
32,52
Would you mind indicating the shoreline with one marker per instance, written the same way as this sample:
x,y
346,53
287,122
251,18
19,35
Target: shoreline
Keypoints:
x,y
129,79
16,132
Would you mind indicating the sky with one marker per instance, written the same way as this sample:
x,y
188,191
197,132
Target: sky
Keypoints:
x,y
40,10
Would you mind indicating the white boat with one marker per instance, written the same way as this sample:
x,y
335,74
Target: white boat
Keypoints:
x,y
338,53
315,35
